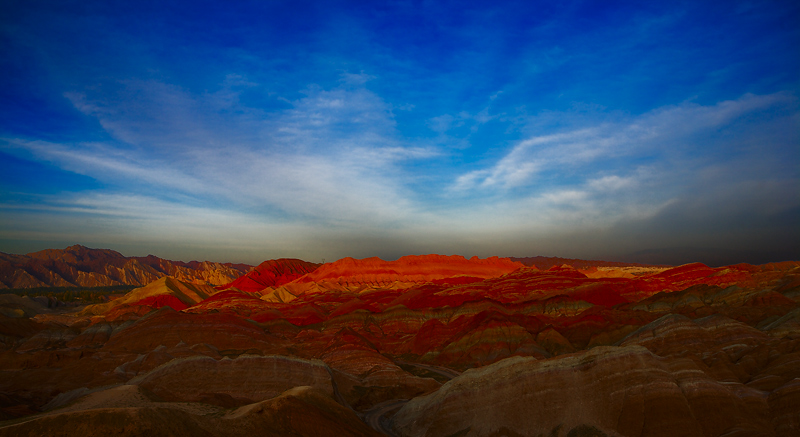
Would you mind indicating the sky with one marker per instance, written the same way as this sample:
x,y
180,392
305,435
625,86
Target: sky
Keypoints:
x,y
246,131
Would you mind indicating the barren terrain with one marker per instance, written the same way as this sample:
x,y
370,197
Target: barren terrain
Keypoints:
x,y
423,346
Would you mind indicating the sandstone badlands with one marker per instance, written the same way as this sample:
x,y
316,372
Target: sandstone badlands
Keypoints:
x,y
422,346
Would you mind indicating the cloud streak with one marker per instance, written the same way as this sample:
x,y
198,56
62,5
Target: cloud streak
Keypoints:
x,y
310,174
332,156
664,131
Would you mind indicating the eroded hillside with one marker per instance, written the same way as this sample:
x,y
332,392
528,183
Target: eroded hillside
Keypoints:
x,y
426,345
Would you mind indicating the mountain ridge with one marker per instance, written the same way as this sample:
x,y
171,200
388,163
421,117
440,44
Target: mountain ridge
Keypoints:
x,y
81,266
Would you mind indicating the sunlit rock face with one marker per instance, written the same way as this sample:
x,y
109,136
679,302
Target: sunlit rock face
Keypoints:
x,y
166,291
79,266
360,275
427,345
416,269
271,273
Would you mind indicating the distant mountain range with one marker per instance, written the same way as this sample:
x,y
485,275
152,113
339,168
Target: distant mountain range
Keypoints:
x,y
80,266
710,256
546,262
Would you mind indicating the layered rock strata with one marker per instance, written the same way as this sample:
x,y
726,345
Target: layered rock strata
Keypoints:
x,y
685,341
126,411
614,390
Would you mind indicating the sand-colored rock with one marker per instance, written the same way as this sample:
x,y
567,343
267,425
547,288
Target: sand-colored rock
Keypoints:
x,y
186,293
126,411
617,390
243,380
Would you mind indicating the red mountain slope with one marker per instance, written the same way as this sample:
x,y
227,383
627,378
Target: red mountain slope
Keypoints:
x,y
272,273
422,268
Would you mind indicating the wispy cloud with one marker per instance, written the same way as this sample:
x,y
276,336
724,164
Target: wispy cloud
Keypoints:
x,y
332,156
333,164
611,183
105,163
661,131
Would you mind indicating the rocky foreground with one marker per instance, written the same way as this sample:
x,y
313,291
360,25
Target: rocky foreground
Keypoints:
x,y
422,346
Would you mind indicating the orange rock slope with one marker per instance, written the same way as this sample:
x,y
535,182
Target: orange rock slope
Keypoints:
x,y
425,345
419,269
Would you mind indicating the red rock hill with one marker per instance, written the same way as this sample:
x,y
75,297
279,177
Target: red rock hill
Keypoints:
x,y
272,273
415,268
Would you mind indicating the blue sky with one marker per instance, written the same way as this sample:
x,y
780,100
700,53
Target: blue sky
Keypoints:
x,y
243,131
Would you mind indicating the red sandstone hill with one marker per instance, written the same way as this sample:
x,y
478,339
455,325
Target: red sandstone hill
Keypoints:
x,y
360,275
272,273
79,266
166,291
690,350
422,268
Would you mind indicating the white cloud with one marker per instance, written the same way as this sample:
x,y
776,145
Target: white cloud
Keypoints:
x,y
332,171
565,197
610,183
444,123
653,132
333,156
103,162
356,78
